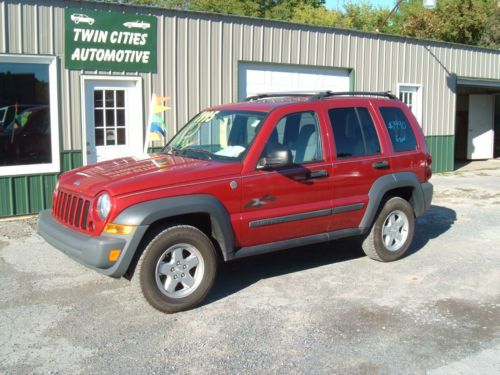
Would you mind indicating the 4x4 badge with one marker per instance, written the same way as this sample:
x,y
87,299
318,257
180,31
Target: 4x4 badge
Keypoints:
x,y
259,202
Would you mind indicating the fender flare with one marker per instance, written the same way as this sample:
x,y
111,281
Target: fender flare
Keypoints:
x,y
147,213
389,182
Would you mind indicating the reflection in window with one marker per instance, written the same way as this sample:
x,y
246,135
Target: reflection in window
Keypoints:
x,y
25,132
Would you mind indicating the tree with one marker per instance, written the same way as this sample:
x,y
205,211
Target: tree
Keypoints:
x,y
363,16
475,22
467,21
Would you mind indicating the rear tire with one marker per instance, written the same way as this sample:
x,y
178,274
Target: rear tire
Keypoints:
x,y
392,232
177,269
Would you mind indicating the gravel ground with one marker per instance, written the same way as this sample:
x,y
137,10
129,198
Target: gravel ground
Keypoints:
x,y
318,310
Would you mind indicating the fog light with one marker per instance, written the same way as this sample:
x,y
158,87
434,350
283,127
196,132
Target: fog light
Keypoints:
x,y
114,255
118,229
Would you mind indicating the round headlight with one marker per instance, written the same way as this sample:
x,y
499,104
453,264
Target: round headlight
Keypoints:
x,y
103,205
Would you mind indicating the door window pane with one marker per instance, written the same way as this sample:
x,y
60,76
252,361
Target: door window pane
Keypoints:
x,y
354,132
99,137
25,131
98,118
108,116
120,98
299,133
98,99
399,128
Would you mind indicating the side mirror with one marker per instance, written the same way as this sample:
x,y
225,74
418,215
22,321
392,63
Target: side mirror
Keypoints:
x,y
276,158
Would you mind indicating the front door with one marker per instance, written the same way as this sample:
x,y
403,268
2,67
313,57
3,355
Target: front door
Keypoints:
x,y
481,135
113,119
294,201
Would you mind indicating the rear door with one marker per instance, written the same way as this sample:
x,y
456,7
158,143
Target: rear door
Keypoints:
x,y
294,201
360,158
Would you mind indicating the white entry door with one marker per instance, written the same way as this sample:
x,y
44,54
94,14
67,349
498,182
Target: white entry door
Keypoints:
x,y
257,78
112,118
481,133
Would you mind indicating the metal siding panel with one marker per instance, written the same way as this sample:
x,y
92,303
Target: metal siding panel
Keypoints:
x,y
3,28
45,29
205,65
295,44
6,197
321,48
21,195
14,34
267,43
29,35
226,66
278,44
36,194
286,48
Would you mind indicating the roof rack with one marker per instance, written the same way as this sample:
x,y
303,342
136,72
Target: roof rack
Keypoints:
x,y
313,96
278,95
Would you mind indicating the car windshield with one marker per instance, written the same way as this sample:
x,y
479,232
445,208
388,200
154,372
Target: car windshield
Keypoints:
x,y
220,135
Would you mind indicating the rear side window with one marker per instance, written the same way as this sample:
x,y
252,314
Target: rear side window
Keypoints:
x,y
399,128
354,132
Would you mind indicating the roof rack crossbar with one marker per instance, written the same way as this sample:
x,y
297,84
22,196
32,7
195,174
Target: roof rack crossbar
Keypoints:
x,y
313,96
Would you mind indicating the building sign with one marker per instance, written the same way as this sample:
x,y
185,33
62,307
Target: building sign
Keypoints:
x,y
99,40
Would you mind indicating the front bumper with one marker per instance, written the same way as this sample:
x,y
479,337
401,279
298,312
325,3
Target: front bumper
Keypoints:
x,y
90,251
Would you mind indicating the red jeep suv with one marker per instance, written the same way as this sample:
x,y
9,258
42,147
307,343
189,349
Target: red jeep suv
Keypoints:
x,y
271,173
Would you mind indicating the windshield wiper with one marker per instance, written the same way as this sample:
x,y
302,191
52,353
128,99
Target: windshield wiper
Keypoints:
x,y
206,153
172,150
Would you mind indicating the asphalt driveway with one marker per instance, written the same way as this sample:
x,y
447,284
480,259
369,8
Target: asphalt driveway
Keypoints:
x,y
320,309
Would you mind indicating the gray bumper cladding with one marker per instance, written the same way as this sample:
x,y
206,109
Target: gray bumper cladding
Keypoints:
x,y
90,251
427,189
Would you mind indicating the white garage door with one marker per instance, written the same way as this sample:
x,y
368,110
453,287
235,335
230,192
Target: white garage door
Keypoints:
x,y
261,78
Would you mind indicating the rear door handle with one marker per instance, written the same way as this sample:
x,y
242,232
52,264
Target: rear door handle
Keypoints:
x,y
381,164
318,174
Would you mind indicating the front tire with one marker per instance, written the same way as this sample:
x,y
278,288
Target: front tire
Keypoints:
x,y
177,269
392,233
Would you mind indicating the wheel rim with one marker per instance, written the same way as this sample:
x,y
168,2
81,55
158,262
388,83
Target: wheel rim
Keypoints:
x,y
395,230
179,270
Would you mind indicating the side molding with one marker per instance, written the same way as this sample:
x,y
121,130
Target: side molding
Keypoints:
x,y
389,182
147,213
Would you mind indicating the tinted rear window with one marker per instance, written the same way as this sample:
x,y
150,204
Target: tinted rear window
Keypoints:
x,y
399,128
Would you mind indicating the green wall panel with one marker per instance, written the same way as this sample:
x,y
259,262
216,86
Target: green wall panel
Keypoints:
x,y
23,195
442,149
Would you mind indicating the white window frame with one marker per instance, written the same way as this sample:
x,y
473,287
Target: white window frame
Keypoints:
x,y
54,166
415,88
138,111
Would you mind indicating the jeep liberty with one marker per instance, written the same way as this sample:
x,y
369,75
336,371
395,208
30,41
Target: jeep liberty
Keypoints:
x,y
271,173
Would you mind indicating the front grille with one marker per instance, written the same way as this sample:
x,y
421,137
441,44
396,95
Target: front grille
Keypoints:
x,y
71,210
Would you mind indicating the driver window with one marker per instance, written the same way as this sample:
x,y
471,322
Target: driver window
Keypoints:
x,y
300,133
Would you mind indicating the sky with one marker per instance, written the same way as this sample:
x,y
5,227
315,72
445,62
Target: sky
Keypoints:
x,y
337,4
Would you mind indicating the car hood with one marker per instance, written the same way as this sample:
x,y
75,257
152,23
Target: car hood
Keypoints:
x,y
131,174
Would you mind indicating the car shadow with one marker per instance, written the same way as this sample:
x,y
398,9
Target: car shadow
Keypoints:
x,y
239,274
433,223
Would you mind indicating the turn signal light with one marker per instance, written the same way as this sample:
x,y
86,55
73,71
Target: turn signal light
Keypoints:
x,y
118,229
114,255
